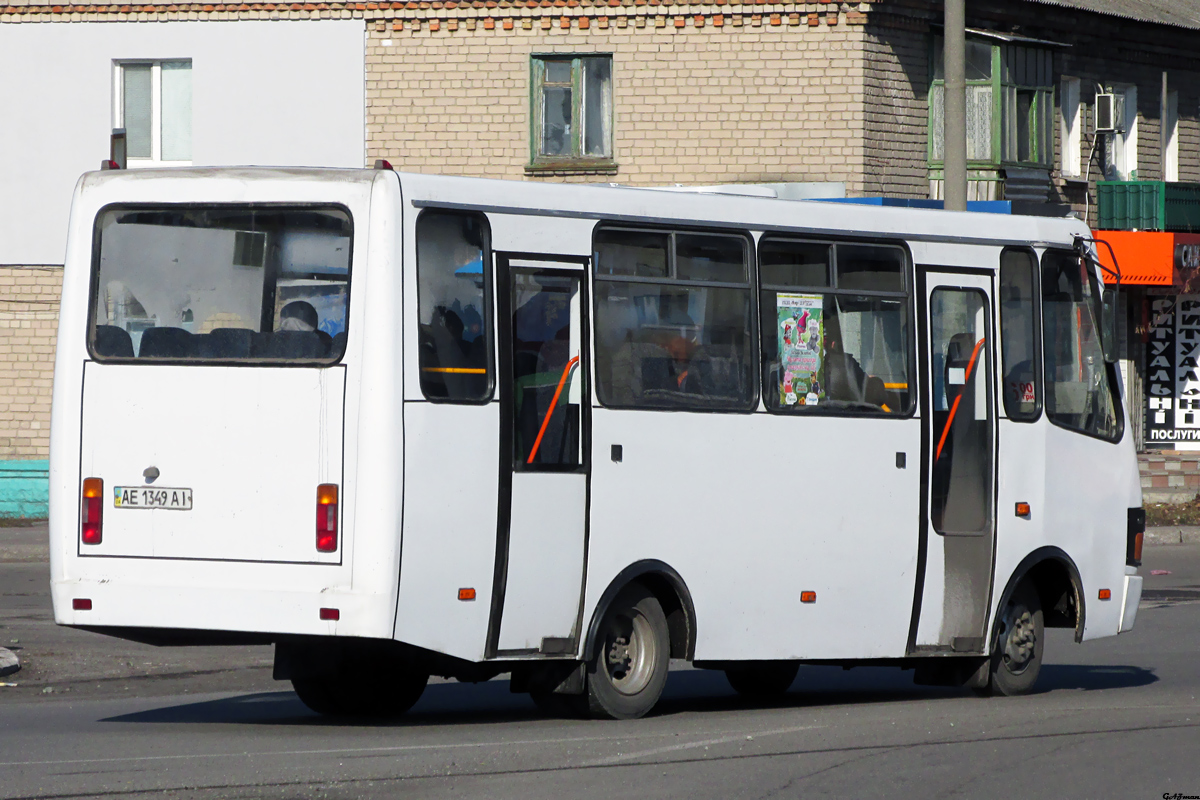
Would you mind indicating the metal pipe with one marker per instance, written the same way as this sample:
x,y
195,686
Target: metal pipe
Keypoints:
x,y
955,108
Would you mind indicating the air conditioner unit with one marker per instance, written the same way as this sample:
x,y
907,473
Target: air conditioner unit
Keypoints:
x,y
1105,116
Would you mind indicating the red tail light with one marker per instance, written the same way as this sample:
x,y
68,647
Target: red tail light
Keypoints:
x,y
327,515
91,529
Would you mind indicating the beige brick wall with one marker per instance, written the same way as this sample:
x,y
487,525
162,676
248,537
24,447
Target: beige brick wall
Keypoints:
x,y
745,102
28,327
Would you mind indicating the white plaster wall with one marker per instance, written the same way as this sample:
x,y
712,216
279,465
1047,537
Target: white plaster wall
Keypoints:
x,y
267,93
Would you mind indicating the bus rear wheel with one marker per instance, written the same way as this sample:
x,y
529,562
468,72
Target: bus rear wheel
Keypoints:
x,y
765,680
363,690
1017,656
629,670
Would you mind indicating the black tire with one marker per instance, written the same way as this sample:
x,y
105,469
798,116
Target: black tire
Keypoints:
x,y
368,688
627,674
1017,654
764,680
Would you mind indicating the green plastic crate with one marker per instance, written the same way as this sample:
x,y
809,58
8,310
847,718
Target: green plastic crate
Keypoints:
x,y
1149,206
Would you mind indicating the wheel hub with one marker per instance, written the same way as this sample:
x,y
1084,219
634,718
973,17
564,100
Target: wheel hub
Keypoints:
x,y
629,653
1020,643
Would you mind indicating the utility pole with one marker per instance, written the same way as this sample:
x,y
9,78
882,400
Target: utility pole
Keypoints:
x,y
955,106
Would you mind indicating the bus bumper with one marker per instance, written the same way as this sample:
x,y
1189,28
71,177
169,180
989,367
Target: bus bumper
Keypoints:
x,y
1133,596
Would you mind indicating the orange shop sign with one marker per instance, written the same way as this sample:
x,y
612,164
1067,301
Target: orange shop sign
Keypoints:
x,y
1153,258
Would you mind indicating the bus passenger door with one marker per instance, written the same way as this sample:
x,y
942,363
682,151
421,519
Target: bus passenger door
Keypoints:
x,y
543,456
958,404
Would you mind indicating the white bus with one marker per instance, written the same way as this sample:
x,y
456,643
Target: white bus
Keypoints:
x,y
402,425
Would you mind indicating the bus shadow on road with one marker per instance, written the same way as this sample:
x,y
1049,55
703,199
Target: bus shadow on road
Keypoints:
x,y
687,691
1092,677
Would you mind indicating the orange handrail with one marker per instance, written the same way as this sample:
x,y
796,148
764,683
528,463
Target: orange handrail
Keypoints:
x,y
550,411
954,407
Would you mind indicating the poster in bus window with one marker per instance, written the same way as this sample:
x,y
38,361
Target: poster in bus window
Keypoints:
x,y
800,339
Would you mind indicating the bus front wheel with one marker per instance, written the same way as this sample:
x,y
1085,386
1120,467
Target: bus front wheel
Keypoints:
x,y
627,674
1017,657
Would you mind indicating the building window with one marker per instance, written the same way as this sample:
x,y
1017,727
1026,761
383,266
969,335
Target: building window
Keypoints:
x,y
1010,105
572,110
152,101
1122,159
1072,134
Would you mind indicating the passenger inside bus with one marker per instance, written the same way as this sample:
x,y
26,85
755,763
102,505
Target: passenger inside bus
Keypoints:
x,y
298,315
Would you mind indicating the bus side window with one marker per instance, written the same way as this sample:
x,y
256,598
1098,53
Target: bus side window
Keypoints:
x,y
673,321
1018,336
454,338
835,326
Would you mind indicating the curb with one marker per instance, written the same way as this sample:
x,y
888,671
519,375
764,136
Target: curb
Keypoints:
x,y
1173,534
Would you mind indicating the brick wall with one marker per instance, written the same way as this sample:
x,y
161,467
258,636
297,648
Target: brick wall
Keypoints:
x,y
765,99
28,327
896,106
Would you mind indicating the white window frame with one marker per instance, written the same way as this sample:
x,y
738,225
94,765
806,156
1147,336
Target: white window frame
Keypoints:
x,y
1071,125
1171,116
1124,155
118,117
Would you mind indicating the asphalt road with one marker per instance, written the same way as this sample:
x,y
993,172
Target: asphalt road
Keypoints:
x,y
1113,718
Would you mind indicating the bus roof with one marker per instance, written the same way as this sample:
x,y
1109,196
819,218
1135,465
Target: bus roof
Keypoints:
x,y
622,203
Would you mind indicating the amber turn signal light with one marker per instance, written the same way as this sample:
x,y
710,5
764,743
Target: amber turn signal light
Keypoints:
x,y
808,597
1023,510
466,594
1105,594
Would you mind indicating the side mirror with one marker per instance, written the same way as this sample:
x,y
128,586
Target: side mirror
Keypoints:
x,y
1110,307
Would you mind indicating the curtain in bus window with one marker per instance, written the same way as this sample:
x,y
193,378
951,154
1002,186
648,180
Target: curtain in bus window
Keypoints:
x,y
961,481
454,335
222,283
1079,392
673,321
1022,380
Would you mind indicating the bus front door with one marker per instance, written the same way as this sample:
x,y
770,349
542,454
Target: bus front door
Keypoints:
x,y
544,457
958,403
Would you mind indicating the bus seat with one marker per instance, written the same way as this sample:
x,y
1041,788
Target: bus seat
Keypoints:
x,y
293,344
113,342
875,393
337,348
166,343
326,341
224,343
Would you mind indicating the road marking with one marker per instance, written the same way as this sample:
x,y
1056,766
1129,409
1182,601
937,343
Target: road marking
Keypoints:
x,y
393,749
675,748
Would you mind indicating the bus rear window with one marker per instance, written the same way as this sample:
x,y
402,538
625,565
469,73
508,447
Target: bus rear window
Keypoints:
x,y
221,283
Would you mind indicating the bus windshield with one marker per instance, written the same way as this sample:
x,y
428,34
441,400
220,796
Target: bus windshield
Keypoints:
x,y
221,283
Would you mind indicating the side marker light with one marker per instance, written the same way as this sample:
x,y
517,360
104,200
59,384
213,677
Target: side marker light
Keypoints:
x,y
81,604
331,614
466,594
1105,594
808,597
1023,510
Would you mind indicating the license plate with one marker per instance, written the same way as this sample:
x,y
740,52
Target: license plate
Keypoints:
x,y
152,497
